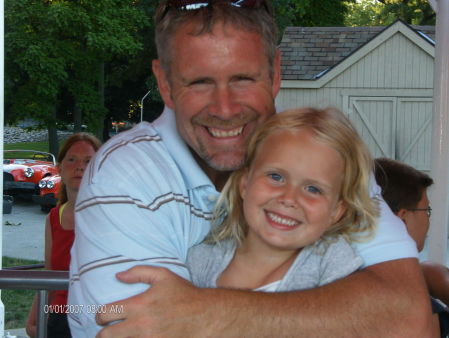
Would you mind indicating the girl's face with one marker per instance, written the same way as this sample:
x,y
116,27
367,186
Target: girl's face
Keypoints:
x,y
291,191
74,163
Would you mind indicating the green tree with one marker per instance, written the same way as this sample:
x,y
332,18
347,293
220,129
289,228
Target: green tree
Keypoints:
x,y
60,48
132,78
385,12
324,13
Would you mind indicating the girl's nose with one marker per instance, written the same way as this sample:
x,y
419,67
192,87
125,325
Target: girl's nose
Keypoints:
x,y
289,197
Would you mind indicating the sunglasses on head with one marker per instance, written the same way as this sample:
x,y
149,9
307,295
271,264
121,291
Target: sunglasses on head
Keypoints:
x,y
191,5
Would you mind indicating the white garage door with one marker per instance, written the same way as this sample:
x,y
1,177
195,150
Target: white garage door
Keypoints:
x,y
395,127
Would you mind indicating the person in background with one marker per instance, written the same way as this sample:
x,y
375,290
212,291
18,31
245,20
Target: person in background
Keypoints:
x,y
404,188
289,214
151,192
73,158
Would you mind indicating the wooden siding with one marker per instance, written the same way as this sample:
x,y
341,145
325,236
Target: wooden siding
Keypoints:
x,y
397,63
388,96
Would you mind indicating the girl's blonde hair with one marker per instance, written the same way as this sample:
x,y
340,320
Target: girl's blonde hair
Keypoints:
x,y
89,138
331,127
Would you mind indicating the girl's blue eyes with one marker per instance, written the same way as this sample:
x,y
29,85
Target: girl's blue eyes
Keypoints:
x,y
275,177
310,188
313,190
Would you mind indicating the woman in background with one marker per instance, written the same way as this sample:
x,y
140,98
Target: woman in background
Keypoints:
x,y
73,158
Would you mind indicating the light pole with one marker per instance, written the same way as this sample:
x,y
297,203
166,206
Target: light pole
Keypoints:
x,y
141,105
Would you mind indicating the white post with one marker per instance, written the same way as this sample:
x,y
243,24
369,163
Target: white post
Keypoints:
x,y
2,120
438,234
141,105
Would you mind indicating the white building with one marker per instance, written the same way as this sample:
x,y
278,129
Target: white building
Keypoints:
x,y
382,77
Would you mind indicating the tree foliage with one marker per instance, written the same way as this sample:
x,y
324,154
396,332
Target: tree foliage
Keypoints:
x,y
325,13
385,12
55,50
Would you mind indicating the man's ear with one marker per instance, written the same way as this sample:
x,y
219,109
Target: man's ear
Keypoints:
x,y
276,73
163,83
401,214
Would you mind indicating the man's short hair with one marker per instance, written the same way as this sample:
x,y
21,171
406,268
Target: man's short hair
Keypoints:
x,y
259,20
402,185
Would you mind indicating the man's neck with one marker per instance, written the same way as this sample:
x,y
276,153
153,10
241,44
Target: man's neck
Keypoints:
x,y
217,177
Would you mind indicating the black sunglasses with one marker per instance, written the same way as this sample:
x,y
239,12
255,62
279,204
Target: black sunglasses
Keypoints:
x,y
428,210
191,5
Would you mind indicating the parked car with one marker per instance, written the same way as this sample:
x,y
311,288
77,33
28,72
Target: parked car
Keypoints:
x,y
48,192
23,169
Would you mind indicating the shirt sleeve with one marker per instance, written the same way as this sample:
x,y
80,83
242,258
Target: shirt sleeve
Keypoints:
x,y
340,260
129,214
391,240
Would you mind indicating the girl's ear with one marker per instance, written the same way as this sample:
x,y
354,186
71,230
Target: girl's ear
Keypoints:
x,y
243,184
340,209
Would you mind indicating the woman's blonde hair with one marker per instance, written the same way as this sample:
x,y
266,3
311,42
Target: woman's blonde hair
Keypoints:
x,y
71,140
331,127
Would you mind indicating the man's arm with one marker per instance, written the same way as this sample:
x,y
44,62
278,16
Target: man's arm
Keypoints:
x,y
384,300
437,278
140,219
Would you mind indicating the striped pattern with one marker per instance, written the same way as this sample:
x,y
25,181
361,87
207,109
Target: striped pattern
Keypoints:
x,y
116,260
153,206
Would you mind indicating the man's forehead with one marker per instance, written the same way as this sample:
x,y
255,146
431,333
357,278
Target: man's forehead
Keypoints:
x,y
228,29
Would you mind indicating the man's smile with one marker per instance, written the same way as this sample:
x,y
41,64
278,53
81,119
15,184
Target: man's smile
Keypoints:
x,y
224,133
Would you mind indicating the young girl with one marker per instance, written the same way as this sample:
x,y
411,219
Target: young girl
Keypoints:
x,y
73,158
290,212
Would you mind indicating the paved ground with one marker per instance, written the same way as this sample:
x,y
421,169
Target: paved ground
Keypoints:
x,y
15,333
23,231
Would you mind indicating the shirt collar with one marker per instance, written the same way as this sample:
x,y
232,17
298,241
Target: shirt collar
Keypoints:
x,y
193,175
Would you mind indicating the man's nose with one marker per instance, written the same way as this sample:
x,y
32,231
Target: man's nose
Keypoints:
x,y
224,104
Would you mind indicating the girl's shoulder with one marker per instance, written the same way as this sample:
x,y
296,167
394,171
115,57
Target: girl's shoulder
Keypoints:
x,y
210,251
206,262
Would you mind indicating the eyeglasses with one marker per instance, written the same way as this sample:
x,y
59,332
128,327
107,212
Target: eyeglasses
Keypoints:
x,y
191,5
428,210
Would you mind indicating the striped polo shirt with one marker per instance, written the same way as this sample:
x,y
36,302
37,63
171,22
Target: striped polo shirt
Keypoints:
x,y
143,201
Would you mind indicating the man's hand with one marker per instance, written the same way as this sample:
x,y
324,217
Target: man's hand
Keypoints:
x,y
151,313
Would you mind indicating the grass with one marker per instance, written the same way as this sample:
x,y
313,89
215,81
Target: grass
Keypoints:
x,y
39,146
17,302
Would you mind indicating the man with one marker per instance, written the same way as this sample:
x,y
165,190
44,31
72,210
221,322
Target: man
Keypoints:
x,y
218,73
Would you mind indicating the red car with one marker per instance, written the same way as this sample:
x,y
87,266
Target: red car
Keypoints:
x,y
48,192
23,169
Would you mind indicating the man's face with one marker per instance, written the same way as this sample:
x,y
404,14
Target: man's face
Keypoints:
x,y
220,89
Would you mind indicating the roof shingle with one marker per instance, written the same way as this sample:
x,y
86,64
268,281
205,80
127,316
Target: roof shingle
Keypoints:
x,y
309,51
